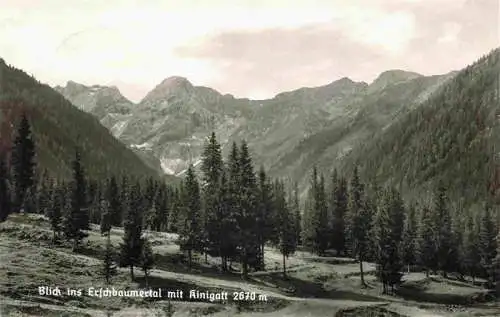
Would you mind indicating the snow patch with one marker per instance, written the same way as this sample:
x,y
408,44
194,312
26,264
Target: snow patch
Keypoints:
x,y
144,145
169,166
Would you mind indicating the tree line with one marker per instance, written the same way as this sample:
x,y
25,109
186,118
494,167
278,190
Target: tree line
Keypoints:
x,y
232,212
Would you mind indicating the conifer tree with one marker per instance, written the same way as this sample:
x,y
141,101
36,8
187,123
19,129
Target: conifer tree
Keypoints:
x,y
339,211
147,259
285,224
385,246
55,211
310,219
5,198
131,247
295,207
426,242
228,225
321,209
109,268
76,221
359,221
105,212
23,162
446,246
409,243
248,213
211,166
497,266
115,205
487,245
190,234
470,251
266,219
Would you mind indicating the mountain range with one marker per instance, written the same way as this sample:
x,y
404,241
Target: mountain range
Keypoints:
x,y
287,134
403,129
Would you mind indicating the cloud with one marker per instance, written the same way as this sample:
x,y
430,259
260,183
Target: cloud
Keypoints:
x,y
248,48
429,38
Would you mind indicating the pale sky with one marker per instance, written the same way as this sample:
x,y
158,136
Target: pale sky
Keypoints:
x,y
251,48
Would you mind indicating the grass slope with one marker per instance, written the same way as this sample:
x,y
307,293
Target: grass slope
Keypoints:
x,y
315,287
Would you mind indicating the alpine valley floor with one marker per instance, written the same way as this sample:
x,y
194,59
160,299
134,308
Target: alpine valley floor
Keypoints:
x,y
326,286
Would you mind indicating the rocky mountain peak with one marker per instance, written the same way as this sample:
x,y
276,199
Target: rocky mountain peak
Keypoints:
x,y
175,85
391,77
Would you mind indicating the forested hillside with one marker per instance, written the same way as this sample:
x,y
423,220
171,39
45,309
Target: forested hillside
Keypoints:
x,y
59,128
454,137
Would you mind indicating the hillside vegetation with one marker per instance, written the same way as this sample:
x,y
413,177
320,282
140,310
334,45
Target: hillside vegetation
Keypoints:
x,y
59,128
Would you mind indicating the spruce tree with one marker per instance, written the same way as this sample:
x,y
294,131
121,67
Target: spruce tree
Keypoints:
x,y
339,211
385,246
228,225
23,162
147,259
105,212
246,218
76,221
109,268
285,225
131,247
190,233
310,219
358,227
409,243
487,245
5,198
295,207
497,266
55,211
115,204
446,246
266,219
211,166
321,209
472,257
426,242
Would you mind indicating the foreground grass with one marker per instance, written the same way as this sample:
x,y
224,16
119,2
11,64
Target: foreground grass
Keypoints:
x,y
315,286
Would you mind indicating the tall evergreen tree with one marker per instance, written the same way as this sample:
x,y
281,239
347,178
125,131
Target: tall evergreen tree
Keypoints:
x,y
211,166
23,162
115,203
5,199
471,254
190,234
147,259
266,220
228,226
446,246
359,221
248,213
105,212
426,242
497,266
131,247
76,221
409,243
285,224
487,245
321,209
295,207
109,268
56,210
339,206
311,214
